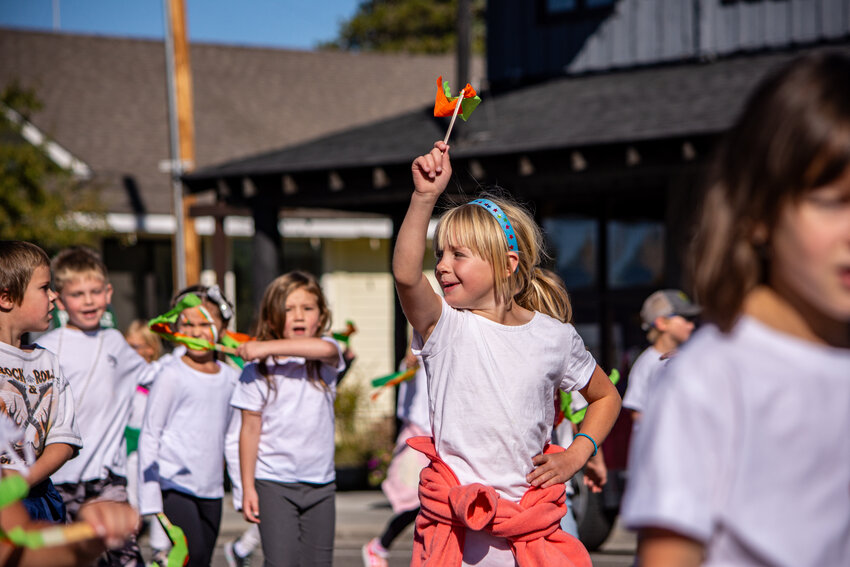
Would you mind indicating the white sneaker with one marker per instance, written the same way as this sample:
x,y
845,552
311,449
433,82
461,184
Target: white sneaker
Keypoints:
x,y
159,559
233,558
374,554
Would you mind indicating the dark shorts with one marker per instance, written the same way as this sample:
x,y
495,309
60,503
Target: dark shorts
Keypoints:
x,y
45,503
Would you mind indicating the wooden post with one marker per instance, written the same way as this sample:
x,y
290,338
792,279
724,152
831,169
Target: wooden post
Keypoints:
x,y
266,244
185,151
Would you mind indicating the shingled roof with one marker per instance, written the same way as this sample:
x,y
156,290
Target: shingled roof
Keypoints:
x,y
672,101
105,101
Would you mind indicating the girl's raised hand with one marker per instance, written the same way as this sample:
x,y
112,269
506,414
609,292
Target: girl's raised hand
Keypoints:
x,y
432,171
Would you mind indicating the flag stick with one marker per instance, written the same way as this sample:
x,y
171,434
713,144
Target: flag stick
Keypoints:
x,y
224,349
454,117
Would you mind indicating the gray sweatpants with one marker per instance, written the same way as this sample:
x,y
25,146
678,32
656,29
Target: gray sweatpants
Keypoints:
x,y
297,523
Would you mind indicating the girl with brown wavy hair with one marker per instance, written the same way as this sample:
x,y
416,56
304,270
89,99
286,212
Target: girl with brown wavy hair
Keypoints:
x,y
286,447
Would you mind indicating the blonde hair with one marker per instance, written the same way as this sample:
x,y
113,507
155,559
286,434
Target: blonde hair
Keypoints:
x,y
75,262
140,327
18,260
792,136
529,286
272,320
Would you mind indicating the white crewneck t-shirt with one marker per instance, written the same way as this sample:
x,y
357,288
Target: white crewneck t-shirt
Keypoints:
x,y
182,443
103,372
638,390
297,428
491,389
729,453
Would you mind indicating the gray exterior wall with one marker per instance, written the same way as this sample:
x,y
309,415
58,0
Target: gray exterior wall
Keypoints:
x,y
525,44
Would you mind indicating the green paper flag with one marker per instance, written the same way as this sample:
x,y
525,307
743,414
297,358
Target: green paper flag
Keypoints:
x,y
171,316
469,104
228,341
179,554
162,325
12,489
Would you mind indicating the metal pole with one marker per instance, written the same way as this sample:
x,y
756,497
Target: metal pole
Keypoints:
x,y
57,24
176,163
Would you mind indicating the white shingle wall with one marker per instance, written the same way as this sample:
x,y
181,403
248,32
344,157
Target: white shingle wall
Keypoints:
x,y
367,300
365,296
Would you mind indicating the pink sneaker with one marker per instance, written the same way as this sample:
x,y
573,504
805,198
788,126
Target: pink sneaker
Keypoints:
x,y
374,554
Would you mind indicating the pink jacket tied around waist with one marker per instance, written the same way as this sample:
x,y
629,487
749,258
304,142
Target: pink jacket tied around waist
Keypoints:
x,y
531,526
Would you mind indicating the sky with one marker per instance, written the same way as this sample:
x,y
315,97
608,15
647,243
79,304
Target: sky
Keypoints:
x,y
296,24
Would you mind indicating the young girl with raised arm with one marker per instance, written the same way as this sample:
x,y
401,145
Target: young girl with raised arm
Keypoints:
x,y
743,455
286,447
182,442
495,348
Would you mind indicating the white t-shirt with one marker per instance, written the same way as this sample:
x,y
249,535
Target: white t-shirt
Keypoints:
x,y
103,372
413,400
36,396
645,365
731,455
297,429
181,446
491,390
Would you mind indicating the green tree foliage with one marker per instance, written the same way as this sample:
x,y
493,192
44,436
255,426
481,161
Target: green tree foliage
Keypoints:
x,y
38,199
410,26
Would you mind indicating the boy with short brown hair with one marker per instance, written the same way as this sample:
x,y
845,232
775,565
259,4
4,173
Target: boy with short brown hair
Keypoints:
x,y
103,371
33,390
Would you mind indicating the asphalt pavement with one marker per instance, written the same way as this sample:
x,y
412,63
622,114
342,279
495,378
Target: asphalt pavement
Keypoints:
x,y
362,515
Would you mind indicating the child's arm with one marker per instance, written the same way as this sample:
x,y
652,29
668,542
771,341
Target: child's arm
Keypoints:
x,y
602,411
231,455
51,459
311,348
663,547
157,413
249,441
113,522
136,366
421,305
16,515
596,472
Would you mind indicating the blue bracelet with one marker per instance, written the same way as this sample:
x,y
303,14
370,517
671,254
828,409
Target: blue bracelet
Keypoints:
x,y
595,446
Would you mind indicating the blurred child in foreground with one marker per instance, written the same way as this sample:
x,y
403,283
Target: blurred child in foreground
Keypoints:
x,y
109,523
728,465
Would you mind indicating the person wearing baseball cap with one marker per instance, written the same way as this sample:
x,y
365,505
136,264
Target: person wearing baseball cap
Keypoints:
x,y
667,316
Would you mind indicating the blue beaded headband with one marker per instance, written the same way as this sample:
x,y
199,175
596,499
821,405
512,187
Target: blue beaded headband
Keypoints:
x,y
502,217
